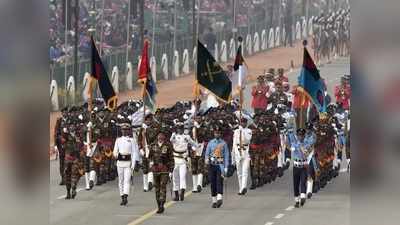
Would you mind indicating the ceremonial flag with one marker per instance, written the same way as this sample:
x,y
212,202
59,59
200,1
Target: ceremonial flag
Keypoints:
x,y
100,74
144,77
239,72
211,76
311,83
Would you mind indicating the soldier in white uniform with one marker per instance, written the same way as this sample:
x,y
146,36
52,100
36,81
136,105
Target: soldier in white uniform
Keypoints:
x,y
126,151
180,143
240,154
91,148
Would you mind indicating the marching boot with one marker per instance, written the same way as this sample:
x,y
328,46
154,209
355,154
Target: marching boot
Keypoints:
x,y
73,193
150,186
219,200
161,207
122,200
182,196
244,191
125,199
214,202
68,192
199,188
302,201
176,196
91,185
297,204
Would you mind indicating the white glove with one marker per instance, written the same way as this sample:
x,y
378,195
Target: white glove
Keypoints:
x,y
144,126
141,152
170,176
207,161
90,124
151,164
225,171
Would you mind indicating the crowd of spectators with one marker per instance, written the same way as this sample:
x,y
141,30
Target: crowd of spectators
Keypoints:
x,y
115,24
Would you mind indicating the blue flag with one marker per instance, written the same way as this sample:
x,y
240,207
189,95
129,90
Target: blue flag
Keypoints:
x,y
311,84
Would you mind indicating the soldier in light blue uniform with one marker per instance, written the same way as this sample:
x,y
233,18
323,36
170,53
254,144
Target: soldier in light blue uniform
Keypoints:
x,y
298,146
312,169
217,159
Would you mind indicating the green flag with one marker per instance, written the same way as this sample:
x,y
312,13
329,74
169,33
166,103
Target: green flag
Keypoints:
x,y
211,76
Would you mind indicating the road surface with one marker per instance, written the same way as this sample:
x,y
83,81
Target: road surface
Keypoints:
x,y
270,204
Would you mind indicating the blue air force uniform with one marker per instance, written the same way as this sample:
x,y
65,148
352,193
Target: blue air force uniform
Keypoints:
x,y
217,157
299,148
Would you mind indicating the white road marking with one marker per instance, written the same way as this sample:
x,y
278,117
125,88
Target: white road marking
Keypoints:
x,y
63,196
290,208
280,215
269,223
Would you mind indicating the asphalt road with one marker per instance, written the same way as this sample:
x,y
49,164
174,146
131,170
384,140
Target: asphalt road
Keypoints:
x,y
271,204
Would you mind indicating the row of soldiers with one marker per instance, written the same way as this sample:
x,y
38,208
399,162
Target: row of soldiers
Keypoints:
x,y
331,34
258,146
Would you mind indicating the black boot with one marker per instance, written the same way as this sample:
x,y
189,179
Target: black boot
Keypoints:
x,y
91,185
160,207
219,203
309,195
199,188
125,199
68,192
182,196
122,200
302,201
150,186
244,191
176,196
73,193
297,205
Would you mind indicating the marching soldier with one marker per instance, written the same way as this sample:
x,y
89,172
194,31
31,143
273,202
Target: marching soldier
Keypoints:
x,y
126,152
256,148
299,148
217,158
312,169
59,129
240,154
180,142
197,161
71,171
162,165
147,135
92,135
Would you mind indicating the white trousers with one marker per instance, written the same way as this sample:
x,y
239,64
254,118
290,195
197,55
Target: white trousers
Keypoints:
x,y
147,178
90,176
242,170
197,180
310,183
124,180
179,177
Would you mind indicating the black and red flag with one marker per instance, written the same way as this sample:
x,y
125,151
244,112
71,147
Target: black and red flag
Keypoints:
x,y
100,74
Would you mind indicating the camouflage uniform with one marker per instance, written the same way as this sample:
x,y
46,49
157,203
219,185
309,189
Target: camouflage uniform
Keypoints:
x,y
256,148
197,161
71,171
60,125
161,157
150,133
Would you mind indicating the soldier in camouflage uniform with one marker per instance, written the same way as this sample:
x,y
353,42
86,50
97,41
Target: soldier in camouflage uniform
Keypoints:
x,y
58,133
197,161
106,142
147,136
256,148
71,171
162,164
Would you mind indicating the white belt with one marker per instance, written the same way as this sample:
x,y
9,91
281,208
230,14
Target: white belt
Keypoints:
x,y
299,164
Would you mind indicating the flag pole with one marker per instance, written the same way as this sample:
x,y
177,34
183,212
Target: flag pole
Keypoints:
x,y
240,39
303,99
196,85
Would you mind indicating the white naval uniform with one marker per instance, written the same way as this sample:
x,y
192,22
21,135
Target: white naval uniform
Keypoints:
x,y
241,159
125,145
90,150
180,144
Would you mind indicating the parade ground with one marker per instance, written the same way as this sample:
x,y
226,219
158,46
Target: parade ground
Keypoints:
x,y
270,204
